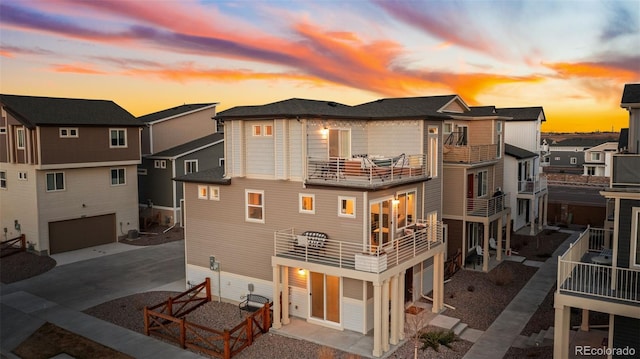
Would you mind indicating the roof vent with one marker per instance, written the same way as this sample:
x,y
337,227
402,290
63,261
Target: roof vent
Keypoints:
x,y
332,104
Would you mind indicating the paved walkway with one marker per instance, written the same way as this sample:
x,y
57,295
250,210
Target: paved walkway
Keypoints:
x,y
499,337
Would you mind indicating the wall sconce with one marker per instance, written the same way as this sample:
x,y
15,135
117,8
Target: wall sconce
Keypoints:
x,y
324,132
395,201
16,225
301,271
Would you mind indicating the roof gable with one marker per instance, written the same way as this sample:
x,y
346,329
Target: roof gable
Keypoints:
x,y
630,95
176,111
190,146
523,113
42,111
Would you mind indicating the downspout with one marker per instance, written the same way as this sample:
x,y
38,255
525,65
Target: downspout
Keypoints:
x,y
175,189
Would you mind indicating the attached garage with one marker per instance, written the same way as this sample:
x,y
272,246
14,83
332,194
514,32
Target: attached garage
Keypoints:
x,y
81,233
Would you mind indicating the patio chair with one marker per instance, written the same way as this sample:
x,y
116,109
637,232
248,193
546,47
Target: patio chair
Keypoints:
x,y
479,254
493,245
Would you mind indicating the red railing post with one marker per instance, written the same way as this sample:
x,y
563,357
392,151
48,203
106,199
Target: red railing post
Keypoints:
x,y
170,306
208,287
183,335
266,318
227,349
249,330
146,321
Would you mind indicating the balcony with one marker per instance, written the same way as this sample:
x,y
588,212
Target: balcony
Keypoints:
x,y
469,154
366,172
532,187
580,274
356,256
487,207
625,170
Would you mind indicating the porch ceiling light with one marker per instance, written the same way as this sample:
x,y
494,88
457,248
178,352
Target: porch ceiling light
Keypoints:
x,y
300,271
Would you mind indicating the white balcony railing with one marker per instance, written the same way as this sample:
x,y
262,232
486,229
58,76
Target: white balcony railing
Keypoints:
x,y
469,154
576,273
531,187
486,207
366,171
343,254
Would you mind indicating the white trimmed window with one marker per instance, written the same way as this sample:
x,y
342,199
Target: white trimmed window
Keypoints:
x,y
347,207
254,209
203,192
190,166
307,203
257,130
66,132
406,208
117,137
160,164
482,183
268,130
3,179
214,193
635,237
340,143
433,151
55,181
499,139
20,138
142,171
595,156
573,160
221,162
22,176
3,130
118,176
591,170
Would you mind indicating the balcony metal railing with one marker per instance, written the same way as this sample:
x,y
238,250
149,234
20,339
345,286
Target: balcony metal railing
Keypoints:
x,y
469,154
531,187
486,207
576,274
365,171
343,254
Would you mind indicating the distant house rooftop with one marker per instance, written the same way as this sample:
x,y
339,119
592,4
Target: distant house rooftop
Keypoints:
x,y
630,95
175,111
189,147
517,152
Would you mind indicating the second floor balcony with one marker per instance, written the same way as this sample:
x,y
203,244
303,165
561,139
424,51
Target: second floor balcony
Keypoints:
x,y
487,207
588,269
532,186
367,172
470,154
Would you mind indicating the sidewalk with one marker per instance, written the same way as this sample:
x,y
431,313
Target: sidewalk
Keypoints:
x,y
499,337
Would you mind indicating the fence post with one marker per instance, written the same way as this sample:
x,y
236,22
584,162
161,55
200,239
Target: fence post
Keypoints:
x,y
266,317
208,288
183,334
249,329
146,320
170,306
227,350
23,242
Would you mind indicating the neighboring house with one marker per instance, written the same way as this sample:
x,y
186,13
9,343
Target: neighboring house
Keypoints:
x,y
597,159
476,207
158,191
168,130
177,125
568,156
333,210
68,176
601,270
523,167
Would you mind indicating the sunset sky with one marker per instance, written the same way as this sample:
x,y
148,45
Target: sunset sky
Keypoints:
x,y
571,57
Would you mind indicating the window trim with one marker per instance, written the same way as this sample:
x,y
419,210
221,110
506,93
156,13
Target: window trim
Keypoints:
x,y
301,209
64,180
118,178
3,180
221,161
573,160
257,130
340,149
22,176
267,130
203,192
21,142
124,131
162,164
634,261
68,134
214,193
3,130
414,218
594,155
341,199
247,205
190,161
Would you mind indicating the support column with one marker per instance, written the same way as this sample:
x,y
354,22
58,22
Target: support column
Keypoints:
x,y
438,283
401,290
561,332
276,294
285,295
377,320
546,207
508,244
499,240
540,206
532,216
485,250
395,310
584,324
385,315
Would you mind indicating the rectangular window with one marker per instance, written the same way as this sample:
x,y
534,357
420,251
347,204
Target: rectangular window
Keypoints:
x,y
433,151
591,171
573,160
268,130
3,179
190,166
257,130
499,139
3,130
635,237
406,211
22,176
160,164
595,156
221,162
556,158
214,193
307,203
347,207
482,183
68,132
254,211
118,176
340,143
142,171
20,138
447,128
55,181
203,192
118,137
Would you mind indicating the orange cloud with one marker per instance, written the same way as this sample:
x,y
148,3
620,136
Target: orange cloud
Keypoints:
x,y
79,69
5,53
591,69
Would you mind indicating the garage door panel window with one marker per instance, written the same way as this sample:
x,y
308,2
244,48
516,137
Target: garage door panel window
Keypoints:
x,y
55,181
118,176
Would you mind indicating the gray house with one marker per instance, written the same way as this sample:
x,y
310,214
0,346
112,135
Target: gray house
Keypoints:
x,y
160,196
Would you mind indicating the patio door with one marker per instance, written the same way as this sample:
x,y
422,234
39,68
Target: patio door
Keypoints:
x,y
381,224
324,297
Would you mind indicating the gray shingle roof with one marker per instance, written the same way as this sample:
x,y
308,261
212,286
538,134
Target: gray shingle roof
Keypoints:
x,y
287,109
517,152
403,107
580,142
170,112
483,111
42,111
189,146
521,113
623,139
213,175
631,94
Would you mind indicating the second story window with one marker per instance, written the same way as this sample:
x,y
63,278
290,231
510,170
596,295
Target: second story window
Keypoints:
x,y
190,166
55,181
3,179
347,207
22,176
160,164
257,130
20,138
254,211
482,183
118,176
433,151
340,143
573,160
68,132
307,203
595,156
499,139
117,137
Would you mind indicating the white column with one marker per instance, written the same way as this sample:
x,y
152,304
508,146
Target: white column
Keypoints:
x,y
561,333
285,295
276,295
385,315
499,240
393,339
401,290
584,324
438,283
540,207
508,244
485,254
532,216
377,320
